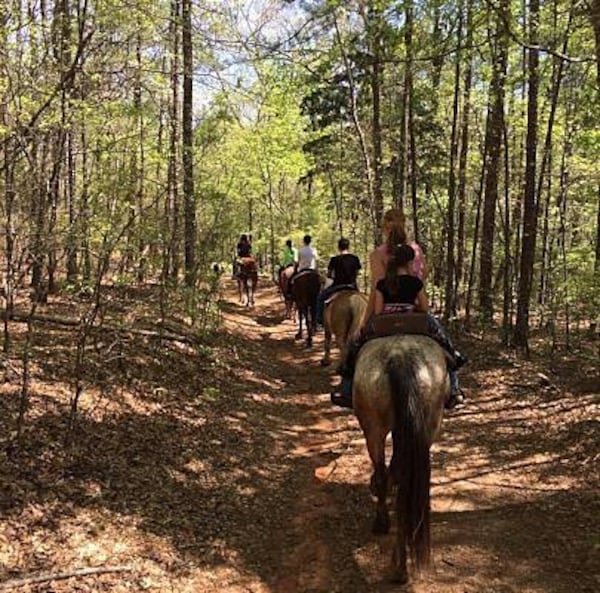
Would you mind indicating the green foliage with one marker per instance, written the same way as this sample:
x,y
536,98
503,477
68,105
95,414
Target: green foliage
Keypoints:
x,y
277,151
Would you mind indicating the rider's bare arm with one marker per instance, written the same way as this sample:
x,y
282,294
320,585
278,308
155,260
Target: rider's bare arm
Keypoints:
x,y
422,302
378,304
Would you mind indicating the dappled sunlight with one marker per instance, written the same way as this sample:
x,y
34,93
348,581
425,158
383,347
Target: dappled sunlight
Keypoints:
x,y
226,463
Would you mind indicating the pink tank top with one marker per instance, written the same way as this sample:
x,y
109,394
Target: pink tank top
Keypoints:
x,y
418,264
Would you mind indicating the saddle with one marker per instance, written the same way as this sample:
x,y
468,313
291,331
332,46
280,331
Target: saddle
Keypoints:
x,y
302,273
339,289
389,324
247,265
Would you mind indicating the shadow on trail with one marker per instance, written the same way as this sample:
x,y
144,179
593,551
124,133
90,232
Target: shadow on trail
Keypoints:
x,y
208,459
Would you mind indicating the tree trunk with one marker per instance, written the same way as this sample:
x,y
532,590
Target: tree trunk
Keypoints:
x,y
173,207
595,18
412,176
561,206
507,267
188,146
546,164
141,166
494,145
85,208
69,194
449,292
597,260
471,277
374,26
464,150
530,206
9,235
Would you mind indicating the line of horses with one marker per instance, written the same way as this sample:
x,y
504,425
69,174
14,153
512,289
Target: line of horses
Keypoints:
x,y
400,386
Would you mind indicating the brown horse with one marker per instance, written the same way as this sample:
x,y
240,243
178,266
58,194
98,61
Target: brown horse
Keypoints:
x,y
342,317
247,279
284,279
305,290
400,385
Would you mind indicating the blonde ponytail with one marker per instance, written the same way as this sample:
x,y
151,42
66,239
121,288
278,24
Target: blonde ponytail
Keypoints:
x,y
393,225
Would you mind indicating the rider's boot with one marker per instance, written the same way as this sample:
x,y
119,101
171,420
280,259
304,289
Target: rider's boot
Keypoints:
x,y
457,395
343,397
346,366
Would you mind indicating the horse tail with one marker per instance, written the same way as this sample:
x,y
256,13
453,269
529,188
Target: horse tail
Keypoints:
x,y
357,313
410,460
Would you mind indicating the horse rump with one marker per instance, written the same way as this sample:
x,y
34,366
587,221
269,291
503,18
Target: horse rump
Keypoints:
x,y
342,318
305,287
400,385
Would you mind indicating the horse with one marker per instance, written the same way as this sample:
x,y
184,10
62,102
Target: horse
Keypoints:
x,y
284,279
247,279
400,385
305,290
342,317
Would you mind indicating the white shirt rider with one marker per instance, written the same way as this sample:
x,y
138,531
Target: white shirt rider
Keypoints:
x,y
307,258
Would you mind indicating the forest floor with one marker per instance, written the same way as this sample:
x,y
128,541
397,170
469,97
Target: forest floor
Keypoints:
x,y
226,470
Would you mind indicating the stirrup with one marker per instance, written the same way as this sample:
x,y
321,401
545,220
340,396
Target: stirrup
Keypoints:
x,y
339,399
456,398
460,360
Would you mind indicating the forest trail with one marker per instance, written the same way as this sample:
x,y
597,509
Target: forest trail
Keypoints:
x,y
509,492
234,474
503,491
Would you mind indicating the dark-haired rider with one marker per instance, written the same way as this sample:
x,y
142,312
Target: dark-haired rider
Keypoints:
x,y
343,269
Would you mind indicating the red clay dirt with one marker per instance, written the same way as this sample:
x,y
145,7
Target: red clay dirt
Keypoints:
x,y
229,471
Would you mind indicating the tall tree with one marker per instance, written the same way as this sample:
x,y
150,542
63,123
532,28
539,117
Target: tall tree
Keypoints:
x,y
495,126
188,145
530,204
172,206
450,292
374,31
464,146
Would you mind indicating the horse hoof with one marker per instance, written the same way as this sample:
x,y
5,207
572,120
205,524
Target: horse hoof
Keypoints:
x,y
373,486
381,526
399,577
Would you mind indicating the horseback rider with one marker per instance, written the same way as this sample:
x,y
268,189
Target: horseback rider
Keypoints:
x,y
244,247
307,260
396,287
343,270
307,256
289,257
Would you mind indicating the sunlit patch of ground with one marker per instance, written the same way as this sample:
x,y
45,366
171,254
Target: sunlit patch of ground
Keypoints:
x,y
224,468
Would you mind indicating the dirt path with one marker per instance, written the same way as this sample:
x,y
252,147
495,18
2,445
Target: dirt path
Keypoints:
x,y
233,473
512,505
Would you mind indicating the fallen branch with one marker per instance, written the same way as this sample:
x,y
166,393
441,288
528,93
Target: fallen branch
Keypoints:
x,y
24,318
187,338
80,572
